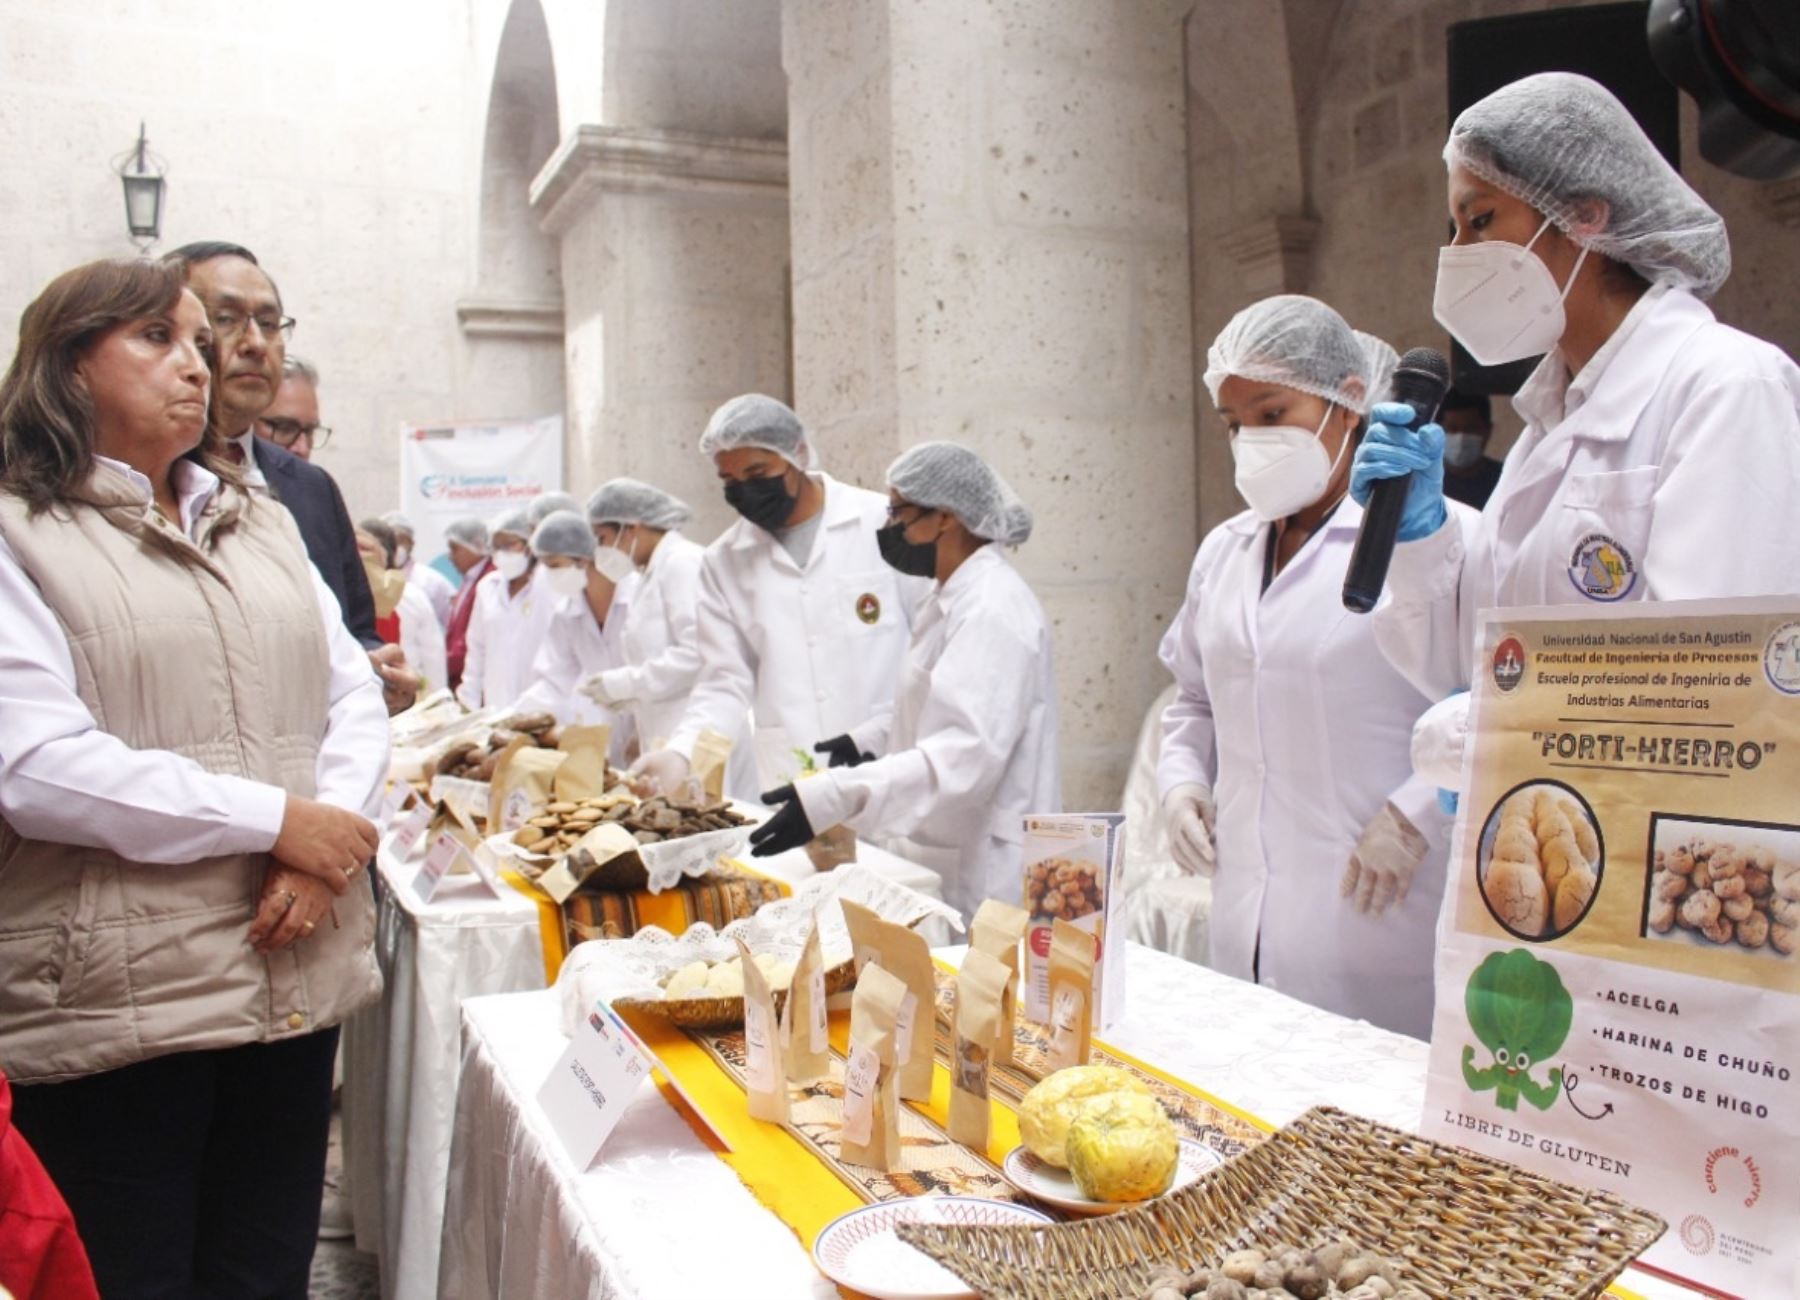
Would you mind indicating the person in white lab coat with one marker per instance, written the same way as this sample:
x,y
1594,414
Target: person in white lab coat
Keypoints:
x,y
800,620
1288,721
970,746
512,610
434,586
1660,448
583,635
637,529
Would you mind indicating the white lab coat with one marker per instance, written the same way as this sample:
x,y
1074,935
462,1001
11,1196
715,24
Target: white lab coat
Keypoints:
x,y
422,639
812,651
575,647
970,747
662,656
1679,444
435,587
505,632
1289,714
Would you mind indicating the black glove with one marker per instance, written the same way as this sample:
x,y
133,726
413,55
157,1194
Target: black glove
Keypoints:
x,y
843,751
787,829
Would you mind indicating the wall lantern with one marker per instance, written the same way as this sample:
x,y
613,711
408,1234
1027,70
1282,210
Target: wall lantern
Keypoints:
x,y
141,172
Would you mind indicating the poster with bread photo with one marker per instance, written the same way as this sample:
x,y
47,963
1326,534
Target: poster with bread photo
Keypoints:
x,y
1617,1001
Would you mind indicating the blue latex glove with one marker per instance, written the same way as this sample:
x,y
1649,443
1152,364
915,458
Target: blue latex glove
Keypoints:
x,y
1390,449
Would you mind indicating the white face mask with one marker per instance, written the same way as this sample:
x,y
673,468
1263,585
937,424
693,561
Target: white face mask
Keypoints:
x,y
1500,300
512,564
402,556
1463,450
614,564
1283,469
571,581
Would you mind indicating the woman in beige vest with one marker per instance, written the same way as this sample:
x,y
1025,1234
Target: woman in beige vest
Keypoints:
x,y
192,744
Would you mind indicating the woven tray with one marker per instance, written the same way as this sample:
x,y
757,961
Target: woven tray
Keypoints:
x,y
725,1013
1462,1226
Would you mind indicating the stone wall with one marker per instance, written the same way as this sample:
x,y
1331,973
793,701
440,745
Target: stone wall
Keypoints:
x,y
989,233
674,251
332,138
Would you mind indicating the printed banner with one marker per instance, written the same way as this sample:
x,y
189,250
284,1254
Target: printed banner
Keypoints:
x,y
1618,988
451,470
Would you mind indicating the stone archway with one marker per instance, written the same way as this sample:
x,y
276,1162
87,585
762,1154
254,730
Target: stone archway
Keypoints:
x,y
670,217
512,319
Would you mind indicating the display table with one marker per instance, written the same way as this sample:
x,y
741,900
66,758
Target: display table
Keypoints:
x,y
659,1215
400,1055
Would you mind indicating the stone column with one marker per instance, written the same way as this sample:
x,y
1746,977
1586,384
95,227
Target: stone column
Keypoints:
x,y
674,250
990,233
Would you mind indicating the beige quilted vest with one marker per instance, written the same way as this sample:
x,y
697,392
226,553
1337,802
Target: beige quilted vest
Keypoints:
x,y
214,652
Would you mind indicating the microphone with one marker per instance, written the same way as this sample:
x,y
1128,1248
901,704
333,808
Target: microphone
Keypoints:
x,y
1420,380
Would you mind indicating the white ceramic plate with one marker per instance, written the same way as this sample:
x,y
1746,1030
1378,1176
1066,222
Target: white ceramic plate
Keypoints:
x,y
1044,1182
860,1250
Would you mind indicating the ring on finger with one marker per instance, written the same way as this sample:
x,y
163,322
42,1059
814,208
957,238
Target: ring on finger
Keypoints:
x,y
308,927
291,897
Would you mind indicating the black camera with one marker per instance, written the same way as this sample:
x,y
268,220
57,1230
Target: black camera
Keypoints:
x,y
1740,60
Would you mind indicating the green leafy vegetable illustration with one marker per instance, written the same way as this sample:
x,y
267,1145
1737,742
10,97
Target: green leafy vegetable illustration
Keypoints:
x,y
1521,1012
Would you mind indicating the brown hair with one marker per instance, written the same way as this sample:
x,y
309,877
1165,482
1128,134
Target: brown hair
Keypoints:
x,y
46,417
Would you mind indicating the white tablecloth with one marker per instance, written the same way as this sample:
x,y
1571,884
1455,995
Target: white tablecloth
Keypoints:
x,y
400,1055
659,1216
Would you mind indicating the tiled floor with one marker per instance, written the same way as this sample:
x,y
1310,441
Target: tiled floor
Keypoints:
x,y
340,1271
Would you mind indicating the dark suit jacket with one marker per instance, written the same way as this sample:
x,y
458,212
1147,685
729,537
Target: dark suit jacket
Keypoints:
x,y
312,497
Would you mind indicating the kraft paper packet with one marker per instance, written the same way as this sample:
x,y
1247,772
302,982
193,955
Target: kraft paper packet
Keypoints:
x,y
805,1048
871,1132
1071,995
764,1079
980,986
904,954
524,781
386,586
591,852
997,930
712,754
582,774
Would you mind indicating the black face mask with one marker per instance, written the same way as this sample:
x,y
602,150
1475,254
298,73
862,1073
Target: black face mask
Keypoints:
x,y
765,502
915,559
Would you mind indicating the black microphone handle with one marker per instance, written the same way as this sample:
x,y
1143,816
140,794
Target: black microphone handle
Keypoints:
x,y
1375,543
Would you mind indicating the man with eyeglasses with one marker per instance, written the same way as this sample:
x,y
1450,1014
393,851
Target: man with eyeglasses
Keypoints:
x,y
292,420
250,333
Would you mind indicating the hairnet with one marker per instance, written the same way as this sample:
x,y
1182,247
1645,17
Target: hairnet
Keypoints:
x,y
1299,343
948,476
514,523
563,532
399,523
547,503
753,420
1559,142
630,501
1383,361
467,531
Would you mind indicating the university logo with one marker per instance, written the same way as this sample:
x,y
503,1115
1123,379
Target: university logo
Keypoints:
x,y
1602,569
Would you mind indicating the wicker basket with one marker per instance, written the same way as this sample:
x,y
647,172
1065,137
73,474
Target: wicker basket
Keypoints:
x,y
725,1013
1462,1226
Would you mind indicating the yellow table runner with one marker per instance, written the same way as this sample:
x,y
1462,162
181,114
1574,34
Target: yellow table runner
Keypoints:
x,y
668,910
793,1171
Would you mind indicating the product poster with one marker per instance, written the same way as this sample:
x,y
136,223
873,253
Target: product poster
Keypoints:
x,y
1618,988
480,469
